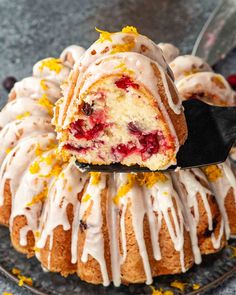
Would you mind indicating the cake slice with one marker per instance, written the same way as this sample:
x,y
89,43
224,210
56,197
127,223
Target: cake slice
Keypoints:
x,y
126,110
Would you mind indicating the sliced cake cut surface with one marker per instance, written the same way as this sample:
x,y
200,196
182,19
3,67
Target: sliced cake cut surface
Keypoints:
x,y
124,109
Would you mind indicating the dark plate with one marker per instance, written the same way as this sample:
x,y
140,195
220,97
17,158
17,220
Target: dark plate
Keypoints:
x,y
213,271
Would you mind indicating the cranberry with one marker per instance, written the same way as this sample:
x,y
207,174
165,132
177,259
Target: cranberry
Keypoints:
x,y
134,129
87,109
232,81
80,149
125,82
8,83
98,116
76,128
150,143
124,149
92,133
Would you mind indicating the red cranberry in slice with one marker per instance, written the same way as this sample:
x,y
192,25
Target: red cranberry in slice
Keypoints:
x,y
9,82
87,109
98,116
232,81
134,129
78,149
76,128
150,143
124,149
92,133
125,82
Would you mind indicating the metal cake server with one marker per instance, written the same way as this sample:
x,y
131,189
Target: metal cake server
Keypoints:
x,y
211,134
218,35
211,129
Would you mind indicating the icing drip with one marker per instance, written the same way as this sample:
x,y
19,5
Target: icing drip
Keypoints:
x,y
32,184
17,161
138,210
175,107
189,188
94,241
221,187
112,216
164,194
157,203
62,192
217,241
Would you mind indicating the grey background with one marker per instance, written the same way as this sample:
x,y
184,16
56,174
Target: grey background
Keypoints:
x,y
34,29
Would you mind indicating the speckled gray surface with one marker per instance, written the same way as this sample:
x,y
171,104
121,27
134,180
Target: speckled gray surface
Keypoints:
x,y
31,30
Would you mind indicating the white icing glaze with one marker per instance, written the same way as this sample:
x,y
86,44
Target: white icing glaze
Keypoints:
x,y
18,160
141,44
94,240
112,217
62,192
18,130
31,185
221,187
76,53
50,75
19,107
170,52
185,65
157,203
204,82
164,194
142,72
33,87
189,189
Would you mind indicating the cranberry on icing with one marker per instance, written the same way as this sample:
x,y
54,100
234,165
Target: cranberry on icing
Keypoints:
x,y
125,82
232,81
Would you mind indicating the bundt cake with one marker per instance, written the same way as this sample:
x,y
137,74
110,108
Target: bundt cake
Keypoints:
x,y
120,228
120,105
